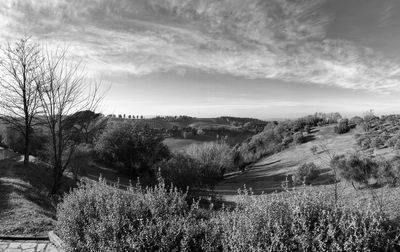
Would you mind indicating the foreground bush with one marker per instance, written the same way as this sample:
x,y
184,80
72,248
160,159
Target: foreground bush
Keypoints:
x,y
96,217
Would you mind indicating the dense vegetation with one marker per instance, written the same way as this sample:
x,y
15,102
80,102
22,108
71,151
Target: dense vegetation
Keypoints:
x,y
97,217
131,147
366,171
277,136
199,166
379,132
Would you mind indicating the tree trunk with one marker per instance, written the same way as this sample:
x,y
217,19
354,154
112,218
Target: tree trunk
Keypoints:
x,y
57,179
26,149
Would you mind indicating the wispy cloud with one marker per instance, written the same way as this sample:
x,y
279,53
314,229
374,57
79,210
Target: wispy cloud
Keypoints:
x,y
275,39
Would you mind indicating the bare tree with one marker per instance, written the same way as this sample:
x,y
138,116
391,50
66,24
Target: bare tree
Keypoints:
x,y
63,92
19,98
327,158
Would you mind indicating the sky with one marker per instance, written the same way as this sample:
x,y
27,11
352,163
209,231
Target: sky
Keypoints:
x,y
207,58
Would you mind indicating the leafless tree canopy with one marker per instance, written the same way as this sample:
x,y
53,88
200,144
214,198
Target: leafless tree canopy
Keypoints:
x,y
20,65
62,92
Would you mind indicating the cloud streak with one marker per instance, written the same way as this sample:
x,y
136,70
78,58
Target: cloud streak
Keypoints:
x,y
275,39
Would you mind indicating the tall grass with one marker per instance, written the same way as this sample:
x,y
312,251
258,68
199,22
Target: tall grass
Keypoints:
x,y
97,217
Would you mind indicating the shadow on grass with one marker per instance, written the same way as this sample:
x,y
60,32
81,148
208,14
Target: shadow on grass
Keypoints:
x,y
267,179
314,131
25,203
308,138
325,177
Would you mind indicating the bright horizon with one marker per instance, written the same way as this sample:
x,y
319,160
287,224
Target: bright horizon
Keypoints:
x,y
245,58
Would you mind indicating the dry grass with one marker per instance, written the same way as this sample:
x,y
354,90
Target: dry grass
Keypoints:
x,y
268,174
25,208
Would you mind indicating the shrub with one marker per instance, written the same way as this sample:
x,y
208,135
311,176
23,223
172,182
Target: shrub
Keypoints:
x,y
80,160
355,168
389,171
342,127
307,129
364,142
391,142
97,217
287,140
217,154
137,148
187,134
298,138
299,221
13,139
306,173
184,171
314,149
377,142
356,120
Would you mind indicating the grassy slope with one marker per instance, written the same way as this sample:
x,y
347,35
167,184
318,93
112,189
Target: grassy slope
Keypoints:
x,y
267,174
25,208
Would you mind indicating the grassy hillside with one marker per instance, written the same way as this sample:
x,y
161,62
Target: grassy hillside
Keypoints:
x,y
25,207
267,174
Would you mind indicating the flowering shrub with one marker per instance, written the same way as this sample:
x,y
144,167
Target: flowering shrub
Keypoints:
x,y
301,221
97,217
